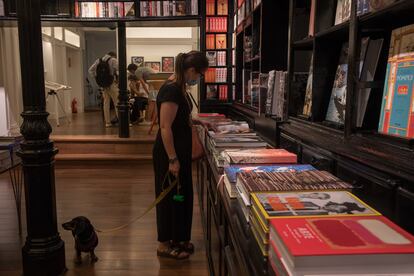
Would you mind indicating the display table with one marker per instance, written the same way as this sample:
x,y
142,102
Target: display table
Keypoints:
x,y
230,245
12,163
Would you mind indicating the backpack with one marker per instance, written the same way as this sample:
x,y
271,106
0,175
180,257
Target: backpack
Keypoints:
x,y
103,74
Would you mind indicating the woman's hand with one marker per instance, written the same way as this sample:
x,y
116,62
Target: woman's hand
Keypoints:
x,y
174,168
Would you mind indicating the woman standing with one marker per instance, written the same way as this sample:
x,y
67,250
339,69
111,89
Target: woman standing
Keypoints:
x,y
172,154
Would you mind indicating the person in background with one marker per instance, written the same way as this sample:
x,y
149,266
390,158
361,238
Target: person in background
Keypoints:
x,y
105,72
143,93
133,84
172,155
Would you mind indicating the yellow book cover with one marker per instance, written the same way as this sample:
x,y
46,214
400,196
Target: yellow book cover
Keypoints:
x,y
310,204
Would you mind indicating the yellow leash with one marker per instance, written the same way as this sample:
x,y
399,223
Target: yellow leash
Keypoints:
x,y
152,205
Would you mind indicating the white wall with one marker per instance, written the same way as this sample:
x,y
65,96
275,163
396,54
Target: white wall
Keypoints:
x,y
58,67
11,99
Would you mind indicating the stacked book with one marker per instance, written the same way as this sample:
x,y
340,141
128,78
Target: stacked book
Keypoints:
x,y
168,8
269,205
230,173
104,9
340,245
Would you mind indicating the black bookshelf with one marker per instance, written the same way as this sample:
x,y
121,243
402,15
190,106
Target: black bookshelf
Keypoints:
x,y
212,12
382,165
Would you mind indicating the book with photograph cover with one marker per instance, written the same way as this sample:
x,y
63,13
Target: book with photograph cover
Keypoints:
x,y
251,182
232,170
212,58
221,41
222,7
315,203
230,173
307,104
211,92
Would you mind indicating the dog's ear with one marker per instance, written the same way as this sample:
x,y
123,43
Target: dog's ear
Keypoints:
x,y
80,226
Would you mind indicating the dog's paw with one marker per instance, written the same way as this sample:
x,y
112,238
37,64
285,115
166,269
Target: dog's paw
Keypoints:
x,y
94,259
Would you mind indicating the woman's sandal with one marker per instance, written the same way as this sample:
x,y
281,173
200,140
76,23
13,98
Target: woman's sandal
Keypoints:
x,y
187,247
174,253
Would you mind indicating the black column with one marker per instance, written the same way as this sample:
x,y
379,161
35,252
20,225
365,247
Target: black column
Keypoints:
x,y
123,107
44,251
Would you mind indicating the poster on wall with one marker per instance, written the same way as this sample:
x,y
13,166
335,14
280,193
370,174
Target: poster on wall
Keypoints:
x,y
139,61
167,64
154,65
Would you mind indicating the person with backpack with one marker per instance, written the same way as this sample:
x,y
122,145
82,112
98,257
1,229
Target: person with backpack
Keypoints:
x,y
105,71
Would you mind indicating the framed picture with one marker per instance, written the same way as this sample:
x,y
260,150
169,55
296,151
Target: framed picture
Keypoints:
x,y
154,65
139,61
167,64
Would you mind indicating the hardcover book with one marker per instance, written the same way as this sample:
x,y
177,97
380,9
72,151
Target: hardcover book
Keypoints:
x,y
222,7
307,104
397,110
211,92
221,41
316,203
337,103
262,156
238,142
342,242
212,58
232,171
289,181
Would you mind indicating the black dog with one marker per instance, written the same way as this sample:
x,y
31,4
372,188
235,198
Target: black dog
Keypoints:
x,y
85,236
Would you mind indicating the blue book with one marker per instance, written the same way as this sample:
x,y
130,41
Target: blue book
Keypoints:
x,y
231,171
397,111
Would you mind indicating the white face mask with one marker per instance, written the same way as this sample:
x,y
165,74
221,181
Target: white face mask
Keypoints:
x,y
192,82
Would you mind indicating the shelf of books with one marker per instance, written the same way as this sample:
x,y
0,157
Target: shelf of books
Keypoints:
x,y
89,10
356,93
260,56
274,214
216,88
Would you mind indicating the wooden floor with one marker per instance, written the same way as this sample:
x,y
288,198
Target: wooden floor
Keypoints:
x,y
91,123
109,196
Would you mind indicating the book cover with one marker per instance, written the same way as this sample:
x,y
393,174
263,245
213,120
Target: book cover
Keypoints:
x,y
342,241
290,181
212,58
270,88
129,9
211,92
307,105
210,41
316,203
2,8
397,110
231,171
262,156
376,5
339,10
222,7
221,41
346,10
337,102
180,8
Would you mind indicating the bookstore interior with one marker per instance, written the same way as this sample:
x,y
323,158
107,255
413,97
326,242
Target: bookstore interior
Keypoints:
x,y
306,168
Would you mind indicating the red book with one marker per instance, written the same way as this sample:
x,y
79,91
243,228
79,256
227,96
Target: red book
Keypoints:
x,y
262,156
342,241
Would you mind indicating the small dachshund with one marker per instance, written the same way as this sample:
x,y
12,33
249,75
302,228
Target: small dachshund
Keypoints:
x,y
85,236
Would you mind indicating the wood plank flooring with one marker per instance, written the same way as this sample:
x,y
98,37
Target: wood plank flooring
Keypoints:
x,y
91,123
108,196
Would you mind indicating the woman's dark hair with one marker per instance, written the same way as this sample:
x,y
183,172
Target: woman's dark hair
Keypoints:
x,y
184,61
132,67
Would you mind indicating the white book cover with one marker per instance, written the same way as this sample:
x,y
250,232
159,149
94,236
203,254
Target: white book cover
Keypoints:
x,y
338,16
111,9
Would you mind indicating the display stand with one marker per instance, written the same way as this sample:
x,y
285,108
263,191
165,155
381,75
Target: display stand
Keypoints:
x,y
54,88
